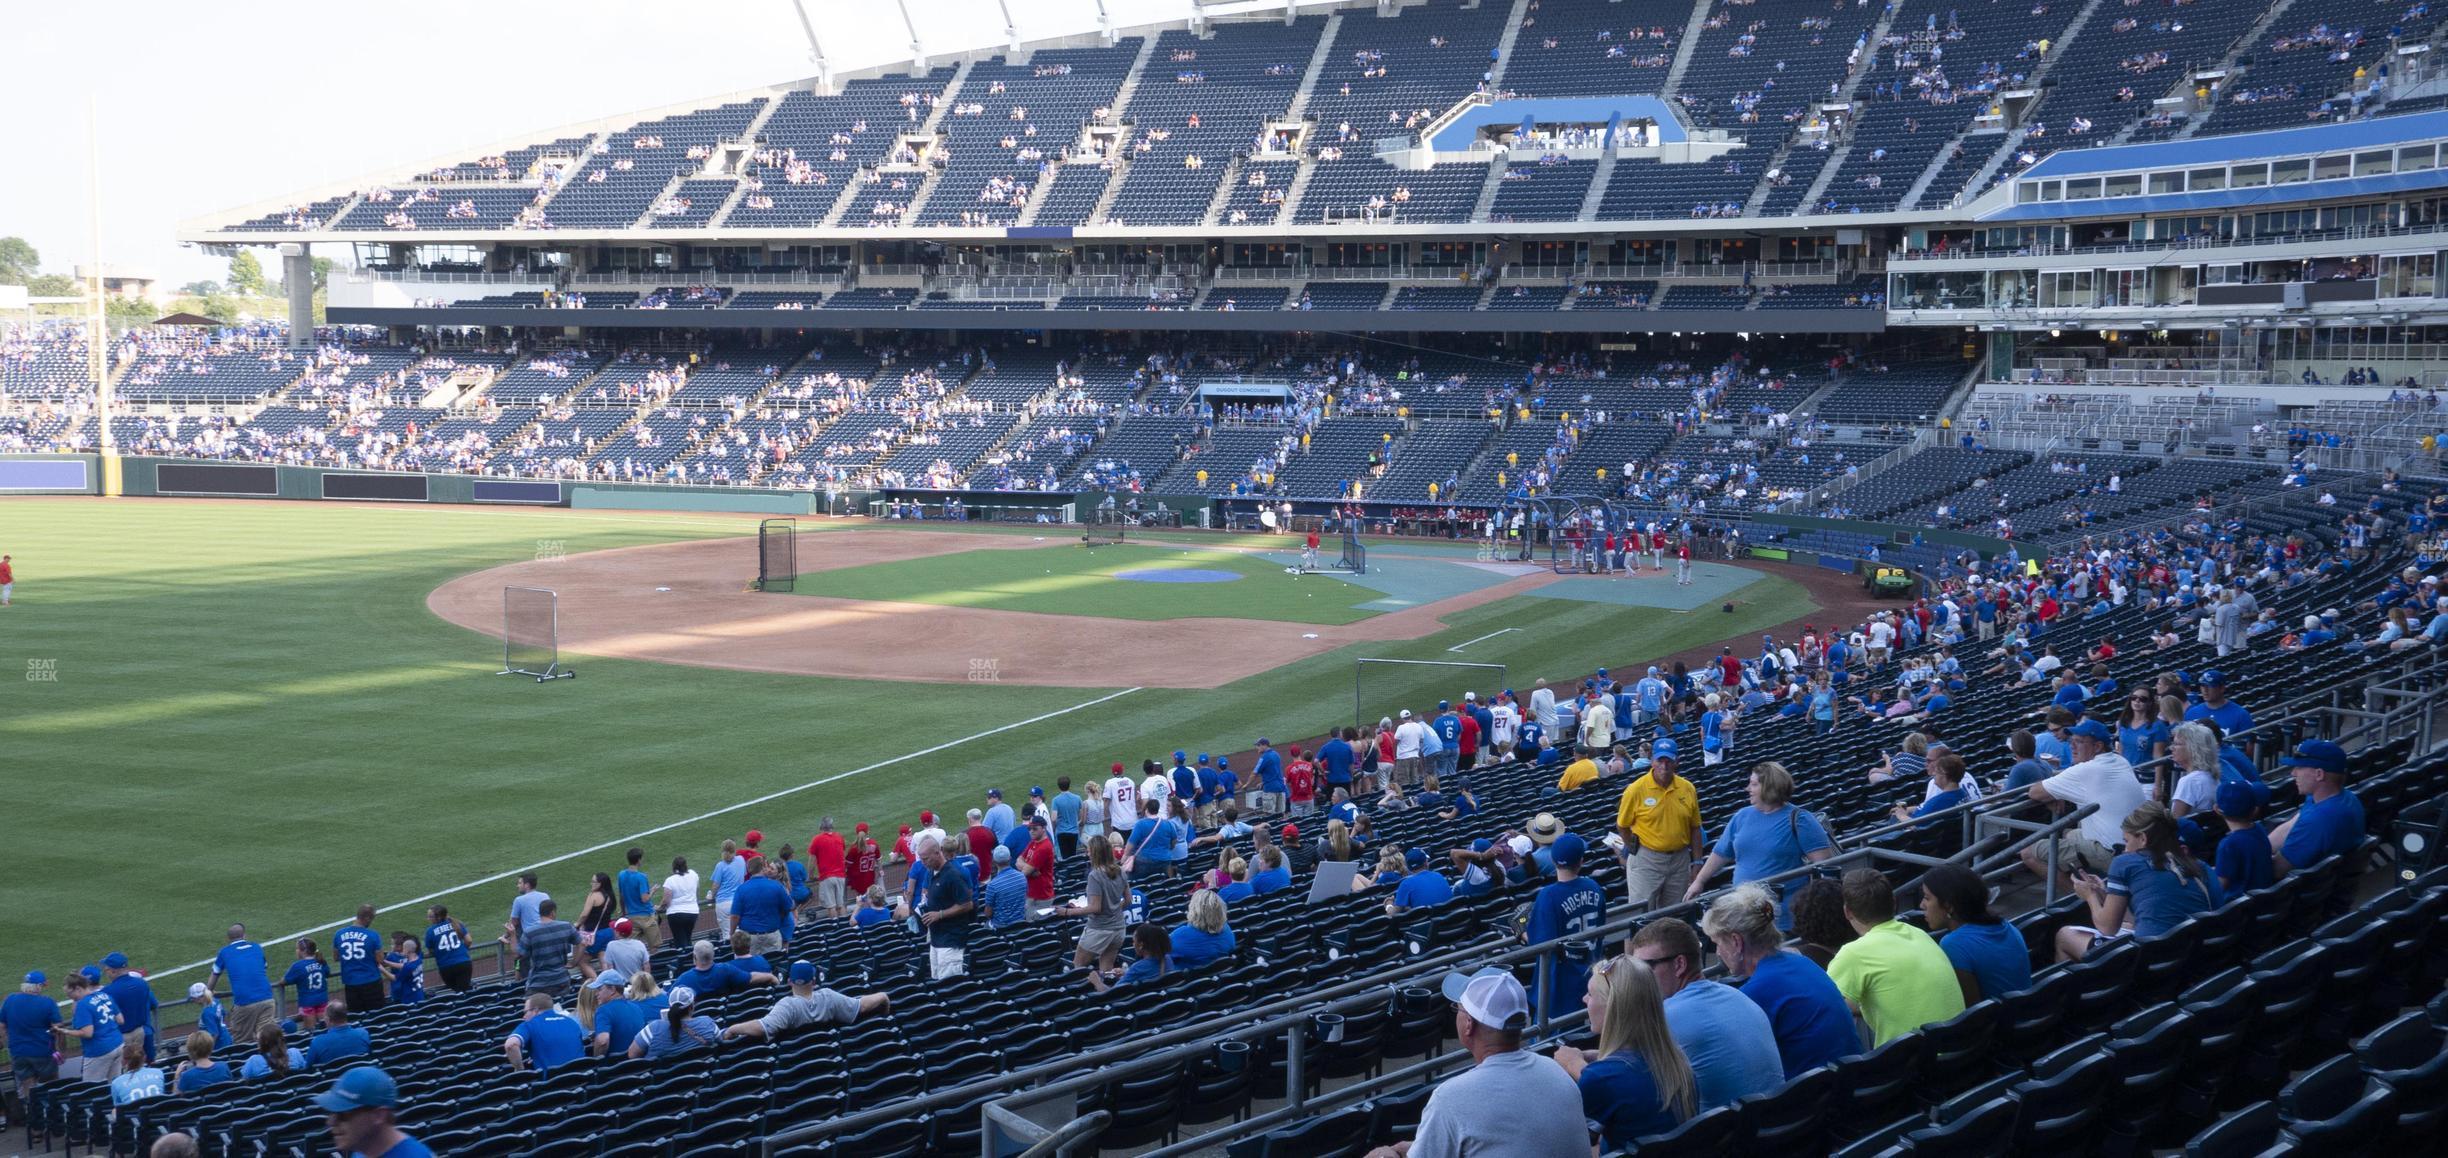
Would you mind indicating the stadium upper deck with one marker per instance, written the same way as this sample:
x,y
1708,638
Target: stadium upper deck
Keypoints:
x,y
1769,156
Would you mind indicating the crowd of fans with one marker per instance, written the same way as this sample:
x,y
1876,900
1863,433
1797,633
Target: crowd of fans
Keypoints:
x,y
1815,969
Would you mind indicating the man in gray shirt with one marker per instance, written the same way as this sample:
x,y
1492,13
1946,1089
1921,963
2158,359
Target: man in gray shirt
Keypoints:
x,y
625,954
808,1005
1512,1102
544,951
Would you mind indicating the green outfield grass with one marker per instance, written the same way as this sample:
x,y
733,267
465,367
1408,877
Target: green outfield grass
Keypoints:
x,y
1074,580
245,712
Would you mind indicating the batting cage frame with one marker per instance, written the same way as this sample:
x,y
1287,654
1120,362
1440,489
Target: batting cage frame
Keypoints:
x,y
777,555
1105,527
531,634
1381,687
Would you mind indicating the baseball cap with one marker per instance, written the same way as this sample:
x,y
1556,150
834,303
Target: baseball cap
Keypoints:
x,y
803,973
1491,996
862,827
994,793
1205,758
196,992
755,835
624,927
1444,704
610,979
1290,832
1519,844
1470,697
115,961
1178,755
1405,714
1568,850
90,973
2322,754
1036,790
680,995
1117,768
1036,820
2214,679
926,818
36,978
2092,729
1663,750
1416,858
1482,844
366,1087
2237,799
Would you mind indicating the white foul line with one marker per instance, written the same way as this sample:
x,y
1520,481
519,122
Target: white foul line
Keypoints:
x,y
1481,639
703,816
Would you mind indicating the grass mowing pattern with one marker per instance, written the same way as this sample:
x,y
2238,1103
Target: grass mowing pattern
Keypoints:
x,y
256,719
1079,581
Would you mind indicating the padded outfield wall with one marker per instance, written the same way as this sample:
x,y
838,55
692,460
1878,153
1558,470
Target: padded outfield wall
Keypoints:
x,y
74,474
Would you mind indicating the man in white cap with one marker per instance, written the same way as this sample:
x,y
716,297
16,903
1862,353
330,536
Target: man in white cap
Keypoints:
x,y
1512,1101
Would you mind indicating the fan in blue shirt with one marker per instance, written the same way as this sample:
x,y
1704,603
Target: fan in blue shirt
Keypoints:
x,y
1988,954
1421,888
1006,896
358,949
548,1038
1569,910
250,979
29,1016
310,977
1805,1009
1337,758
707,978
2330,822
95,1013
762,905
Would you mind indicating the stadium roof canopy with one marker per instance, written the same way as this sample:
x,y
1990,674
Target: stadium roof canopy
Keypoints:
x,y
2410,129
857,37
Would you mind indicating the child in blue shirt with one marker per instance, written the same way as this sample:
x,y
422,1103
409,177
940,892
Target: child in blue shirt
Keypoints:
x,y
406,964
2243,861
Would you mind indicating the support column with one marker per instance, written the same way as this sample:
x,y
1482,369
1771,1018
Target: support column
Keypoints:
x,y
917,43
2001,355
816,51
297,277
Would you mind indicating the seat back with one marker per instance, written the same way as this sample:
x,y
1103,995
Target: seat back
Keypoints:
x,y
2243,1134
1981,1132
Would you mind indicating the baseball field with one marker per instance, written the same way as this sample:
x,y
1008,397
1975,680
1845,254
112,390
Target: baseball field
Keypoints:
x,y
273,712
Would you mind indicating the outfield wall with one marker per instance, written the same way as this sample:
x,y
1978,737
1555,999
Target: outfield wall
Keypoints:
x,y
83,474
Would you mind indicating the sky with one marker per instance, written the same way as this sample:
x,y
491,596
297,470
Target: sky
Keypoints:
x,y
206,108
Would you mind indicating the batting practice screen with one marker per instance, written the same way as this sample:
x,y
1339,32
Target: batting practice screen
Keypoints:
x,y
777,554
531,633
1382,688
1104,526
1355,555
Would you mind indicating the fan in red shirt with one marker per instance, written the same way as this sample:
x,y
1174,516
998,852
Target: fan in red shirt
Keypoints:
x,y
828,854
1300,784
863,859
1469,743
1037,860
981,846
